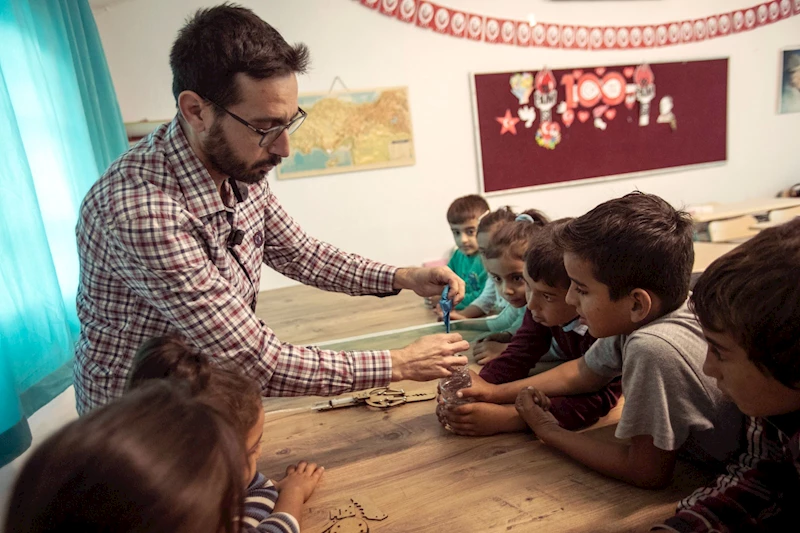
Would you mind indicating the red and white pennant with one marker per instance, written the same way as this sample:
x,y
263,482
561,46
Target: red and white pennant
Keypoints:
x,y
461,24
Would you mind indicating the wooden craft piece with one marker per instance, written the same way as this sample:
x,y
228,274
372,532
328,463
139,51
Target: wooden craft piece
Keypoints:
x,y
345,510
382,397
349,525
368,507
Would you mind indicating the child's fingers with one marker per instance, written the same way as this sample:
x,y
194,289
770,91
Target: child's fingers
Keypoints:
x,y
290,469
318,472
301,467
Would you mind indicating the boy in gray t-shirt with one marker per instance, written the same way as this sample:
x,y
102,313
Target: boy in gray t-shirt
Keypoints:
x,y
667,395
629,261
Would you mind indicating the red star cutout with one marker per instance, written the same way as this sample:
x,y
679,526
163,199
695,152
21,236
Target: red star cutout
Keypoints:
x,y
508,122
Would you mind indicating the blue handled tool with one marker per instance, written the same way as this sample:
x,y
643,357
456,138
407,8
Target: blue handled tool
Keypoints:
x,y
447,305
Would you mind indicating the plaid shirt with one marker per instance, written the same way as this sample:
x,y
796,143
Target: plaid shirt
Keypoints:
x,y
759,493
154,238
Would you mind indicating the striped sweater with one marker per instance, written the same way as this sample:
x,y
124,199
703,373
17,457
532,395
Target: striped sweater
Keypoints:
x,y
761,493
259,502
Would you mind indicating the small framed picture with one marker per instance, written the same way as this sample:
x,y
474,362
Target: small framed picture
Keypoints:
x,y
790,81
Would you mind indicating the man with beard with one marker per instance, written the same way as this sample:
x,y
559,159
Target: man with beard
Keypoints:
x,y
173,235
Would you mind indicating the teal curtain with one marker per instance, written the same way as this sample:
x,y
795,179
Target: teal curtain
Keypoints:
x,y
60,127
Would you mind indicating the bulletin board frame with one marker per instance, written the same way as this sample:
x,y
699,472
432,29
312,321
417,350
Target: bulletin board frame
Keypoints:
x,y
494,191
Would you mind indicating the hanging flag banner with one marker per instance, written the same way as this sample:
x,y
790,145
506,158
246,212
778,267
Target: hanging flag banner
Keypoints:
x,y
477,27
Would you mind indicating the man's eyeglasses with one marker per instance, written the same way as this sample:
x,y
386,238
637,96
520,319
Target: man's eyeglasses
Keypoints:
x,y
268,136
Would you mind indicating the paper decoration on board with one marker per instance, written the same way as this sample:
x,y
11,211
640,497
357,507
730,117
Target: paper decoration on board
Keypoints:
x,y
665,113
644,79
548,135
508,123
522,86
598,94
545,94
527,115
462,24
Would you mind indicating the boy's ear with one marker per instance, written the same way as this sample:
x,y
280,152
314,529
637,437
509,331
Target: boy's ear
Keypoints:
x,y
641,304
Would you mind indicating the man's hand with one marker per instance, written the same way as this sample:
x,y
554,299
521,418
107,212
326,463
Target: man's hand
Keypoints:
x,y
533,407
430,282
428,358
486,350
480,390
479,419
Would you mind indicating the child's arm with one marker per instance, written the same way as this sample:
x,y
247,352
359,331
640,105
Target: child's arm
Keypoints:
x,y
571,377
297,487
640,463
528,345
738,500
471,311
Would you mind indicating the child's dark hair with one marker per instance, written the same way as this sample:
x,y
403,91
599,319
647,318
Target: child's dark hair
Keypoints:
x,y
512,238
752,293
501,215
637,241
236,396
466,208
544,260
154,461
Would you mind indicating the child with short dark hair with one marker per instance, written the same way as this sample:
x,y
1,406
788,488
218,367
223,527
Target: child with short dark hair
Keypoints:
x,y
748,304
550,332
268,505
488,302
155,461
629,261
463,216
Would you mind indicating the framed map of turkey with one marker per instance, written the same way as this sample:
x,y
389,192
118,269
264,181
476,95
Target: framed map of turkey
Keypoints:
x,y
351,130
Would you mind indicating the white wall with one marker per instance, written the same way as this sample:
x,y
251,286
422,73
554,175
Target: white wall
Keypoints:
x,y
397,215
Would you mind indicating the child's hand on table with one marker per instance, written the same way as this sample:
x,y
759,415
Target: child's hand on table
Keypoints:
x,y
480,390
479,419
300,479
533,406
487,349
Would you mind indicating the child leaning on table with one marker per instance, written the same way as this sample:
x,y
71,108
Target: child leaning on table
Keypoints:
x,y
550,332
268,506
629,261
748,304
504,258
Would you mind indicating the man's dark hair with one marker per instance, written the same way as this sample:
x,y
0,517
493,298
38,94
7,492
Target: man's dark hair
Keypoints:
x,y
752,293
544,260
219,42
466,208
637,241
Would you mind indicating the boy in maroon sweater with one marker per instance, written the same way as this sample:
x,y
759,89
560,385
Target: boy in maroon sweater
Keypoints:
x,y
551,331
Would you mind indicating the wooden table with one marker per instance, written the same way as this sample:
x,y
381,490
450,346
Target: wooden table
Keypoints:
x,y
427,479
747,207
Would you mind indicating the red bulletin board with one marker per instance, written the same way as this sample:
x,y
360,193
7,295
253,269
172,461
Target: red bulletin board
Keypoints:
x,y
517,152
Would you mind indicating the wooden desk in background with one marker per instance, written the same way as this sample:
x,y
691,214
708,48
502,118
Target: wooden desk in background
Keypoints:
x,y
427,479
747,207
706,253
